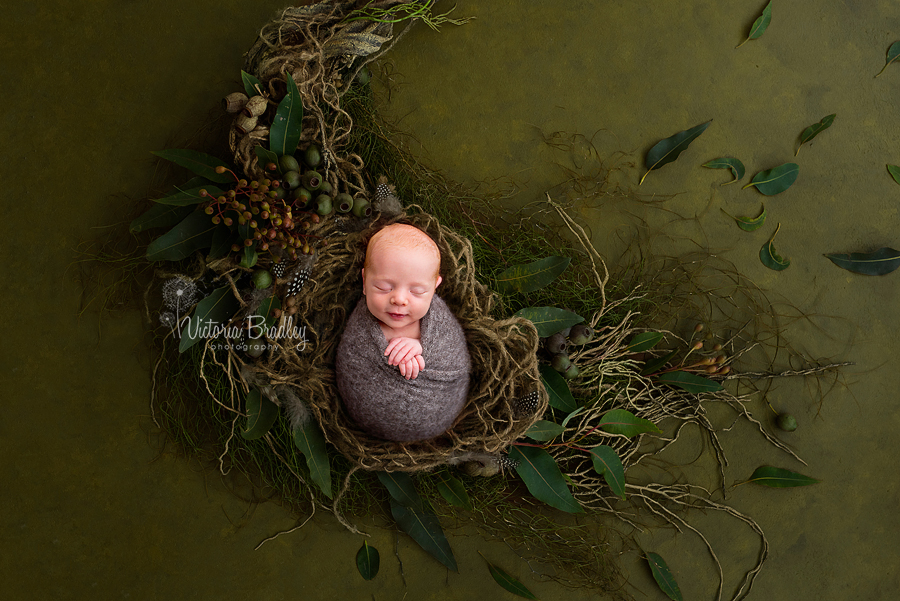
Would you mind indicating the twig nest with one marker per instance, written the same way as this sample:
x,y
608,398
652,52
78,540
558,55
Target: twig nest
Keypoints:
x,y
786,422
245,124
255,107
234,102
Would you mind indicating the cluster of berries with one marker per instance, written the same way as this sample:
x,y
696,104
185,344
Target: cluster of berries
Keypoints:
x,y
557,344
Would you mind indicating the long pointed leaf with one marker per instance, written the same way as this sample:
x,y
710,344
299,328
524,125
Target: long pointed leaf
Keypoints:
x,y
453,491
509,583
193,233
666,151
544,430
190,196
663,576
777,477
250,82
213,310
159,216
533,276
560,397
759,25
770,257
624,422
644,342
424,528
775,180
658,363
367,561
284,134
736,166
608,464
401,488
814,130
308,438
200,163
549,320
894,170
261,414
879,262
893,54
542,477
750,224
690,382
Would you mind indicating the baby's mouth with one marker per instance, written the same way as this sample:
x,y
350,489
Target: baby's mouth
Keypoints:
x,y
397,315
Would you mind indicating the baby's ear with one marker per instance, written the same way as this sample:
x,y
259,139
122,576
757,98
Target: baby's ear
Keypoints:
x,y
438,282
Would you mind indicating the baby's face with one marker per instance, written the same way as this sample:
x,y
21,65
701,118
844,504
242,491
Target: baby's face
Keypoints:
x,y
399,284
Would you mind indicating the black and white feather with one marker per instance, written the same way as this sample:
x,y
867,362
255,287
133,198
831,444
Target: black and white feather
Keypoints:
x,y
279,269
527,404
295,284
507,463
385,202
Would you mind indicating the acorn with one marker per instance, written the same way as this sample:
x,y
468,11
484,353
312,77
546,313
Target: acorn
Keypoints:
x,y
261,279
361,208
323,204
287,163
312,180
560,362
555,343
581,334
244,124
786,422
292,179
344,202
255,107
302,196
234,102
312,156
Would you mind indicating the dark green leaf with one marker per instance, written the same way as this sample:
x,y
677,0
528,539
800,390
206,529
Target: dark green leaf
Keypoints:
x,y
250,84
193,233
217,308
284,134
549,320
894,170
542,477
265,309
813,130
776,180
644,342
509,583
261,414
249,256
308,438
265,156
220,245
367,561
655,365
424,528
688,381
893,54
190,196
544,430
760,25
622,421
882,261
200,163
453,491
736,166
663,577
159,216
666,151
401,488
608,464
777,477
750,224
533,276
557,389
770,258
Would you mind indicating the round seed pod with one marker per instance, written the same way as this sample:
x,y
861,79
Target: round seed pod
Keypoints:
x,y
244,124
364,76
234,102
344,202
571,372
312,180
255,348
560,362
302,196
287,163
262,279
323,204
292,179
786,422
581,334
361,208
325,187
312,156
555,343
255,107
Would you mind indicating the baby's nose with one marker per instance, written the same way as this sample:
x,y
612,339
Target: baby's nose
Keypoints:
x,y
399,299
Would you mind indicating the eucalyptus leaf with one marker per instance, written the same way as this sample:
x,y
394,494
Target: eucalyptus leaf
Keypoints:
x,y
569,417
608,464
544,430
775,180
159,216
750,224
759,25
644,342
453,491
193,233
879,262
658,363
284,133
217,308
402,489
265,309
663,576
250,82
894,170
777,477
624,422
533,276
265,156
557,389
542,477
509,583
200,163
424,528
249,256
549,320
190,196
666,151
261,414
220,245
893,54
309,439
736,166
367,561
770,257
813,130
688,381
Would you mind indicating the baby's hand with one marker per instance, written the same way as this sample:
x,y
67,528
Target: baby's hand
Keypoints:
x,y
401,350
411,368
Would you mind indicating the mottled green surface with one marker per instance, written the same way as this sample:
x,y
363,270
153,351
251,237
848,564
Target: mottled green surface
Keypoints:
x,y
92,87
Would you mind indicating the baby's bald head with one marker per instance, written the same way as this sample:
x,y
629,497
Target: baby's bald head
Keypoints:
x,y
408,238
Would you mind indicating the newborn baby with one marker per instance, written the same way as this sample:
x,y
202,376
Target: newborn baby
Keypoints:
x,y
402,364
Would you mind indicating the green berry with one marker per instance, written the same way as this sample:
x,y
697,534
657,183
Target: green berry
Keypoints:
x,y
361,208
787,422
312,180
555,344
560,362
581,334
288,163
323,204
344,202
261,279
292,179
312,156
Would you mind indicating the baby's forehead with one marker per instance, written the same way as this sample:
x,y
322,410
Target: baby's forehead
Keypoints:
x,y
403,236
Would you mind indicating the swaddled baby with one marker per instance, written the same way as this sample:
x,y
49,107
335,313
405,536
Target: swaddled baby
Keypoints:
x,y
402,364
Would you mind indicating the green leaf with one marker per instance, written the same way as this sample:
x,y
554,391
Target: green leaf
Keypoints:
x,y
879,262
250,84
688,381
509,583
557,389
736,166
565,422
542,477
200,163
193,233
770,258
776,180
608,464
666,151
749,224
549,320
622,421
424,528
402,489
644,342
760,25
190,196
217,308
261,414
284,134
308,438
265,309
367,561
453,491
533,276
777,477
544,430
813,130
655,365
159,216
249,256
663,576
220,245
893,54
894,170
265,156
